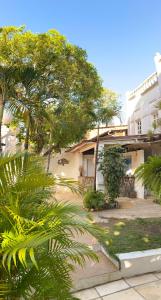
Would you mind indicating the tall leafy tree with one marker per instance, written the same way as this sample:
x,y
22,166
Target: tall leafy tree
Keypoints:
x,y
107,108
8,65
64,78
7,74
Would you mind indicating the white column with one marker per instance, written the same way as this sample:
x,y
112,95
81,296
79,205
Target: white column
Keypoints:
x,y
139,187
99,176
157,60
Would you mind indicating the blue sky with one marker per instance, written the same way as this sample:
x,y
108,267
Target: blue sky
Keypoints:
x,y
120,36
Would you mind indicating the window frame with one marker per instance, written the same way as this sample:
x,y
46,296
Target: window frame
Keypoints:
x,y
139,126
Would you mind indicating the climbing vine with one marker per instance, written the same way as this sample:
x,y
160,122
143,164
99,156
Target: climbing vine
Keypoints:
x,y
112,166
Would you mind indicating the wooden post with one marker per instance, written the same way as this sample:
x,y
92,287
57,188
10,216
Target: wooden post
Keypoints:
x,y
1,118
96,157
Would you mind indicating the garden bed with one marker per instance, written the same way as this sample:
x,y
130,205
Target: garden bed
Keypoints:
x,y
132,235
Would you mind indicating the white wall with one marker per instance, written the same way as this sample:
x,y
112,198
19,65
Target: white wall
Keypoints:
x,y
99,176
137,159
70,170
141,102
9,139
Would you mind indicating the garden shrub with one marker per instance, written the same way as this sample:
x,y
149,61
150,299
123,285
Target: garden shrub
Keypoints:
x,y
112,166
94,200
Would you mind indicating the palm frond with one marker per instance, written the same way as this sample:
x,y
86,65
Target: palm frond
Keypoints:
x,y
38,237
150,174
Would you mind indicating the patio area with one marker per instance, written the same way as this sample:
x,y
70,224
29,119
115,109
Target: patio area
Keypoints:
x,y
129,208
144,287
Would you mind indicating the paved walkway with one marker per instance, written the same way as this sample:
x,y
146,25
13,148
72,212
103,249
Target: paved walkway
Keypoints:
x,y
144,287
131,209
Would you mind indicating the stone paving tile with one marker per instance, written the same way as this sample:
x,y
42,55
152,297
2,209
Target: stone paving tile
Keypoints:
x,y
88,294
129,294
111,287
158,275
151,291
138,280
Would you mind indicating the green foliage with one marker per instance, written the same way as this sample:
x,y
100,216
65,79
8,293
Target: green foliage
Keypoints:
x,y
112,166
94,200
37,245
150,173
107,107
133,235
48,75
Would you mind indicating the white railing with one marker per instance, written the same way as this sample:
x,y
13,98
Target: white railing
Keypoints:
x,y
145,85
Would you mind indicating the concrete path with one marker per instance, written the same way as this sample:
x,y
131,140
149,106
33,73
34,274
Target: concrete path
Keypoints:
x,y
144,287
131,209
94,273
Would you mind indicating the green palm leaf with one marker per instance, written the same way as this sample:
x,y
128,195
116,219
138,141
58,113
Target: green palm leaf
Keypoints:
x,y
38,234
150,174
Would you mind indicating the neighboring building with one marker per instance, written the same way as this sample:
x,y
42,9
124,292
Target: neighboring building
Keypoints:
x,y
78,162
143,115
142,102
9,140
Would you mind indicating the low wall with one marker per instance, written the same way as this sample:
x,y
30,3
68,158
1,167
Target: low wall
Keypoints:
x,y
128,265
140,262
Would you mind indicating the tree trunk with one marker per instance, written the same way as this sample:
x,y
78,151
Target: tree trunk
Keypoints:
x,y
1,118
26,144
49,154
96,157
48,162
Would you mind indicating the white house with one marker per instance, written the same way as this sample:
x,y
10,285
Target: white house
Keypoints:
x,y
78,161
142,102
142,113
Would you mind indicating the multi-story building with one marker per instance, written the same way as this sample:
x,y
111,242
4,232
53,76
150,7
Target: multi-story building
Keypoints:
x,y
142,110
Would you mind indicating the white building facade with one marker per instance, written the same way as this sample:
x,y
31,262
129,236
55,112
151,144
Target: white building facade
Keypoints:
x,y
143,114
9,140
142,111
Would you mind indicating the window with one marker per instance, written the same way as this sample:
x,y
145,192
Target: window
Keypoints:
x,y
128,165
139,129
155,120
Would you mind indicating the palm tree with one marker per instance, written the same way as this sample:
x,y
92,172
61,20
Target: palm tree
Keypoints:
x,y
38,249
24,101
7,74
108,107
150,173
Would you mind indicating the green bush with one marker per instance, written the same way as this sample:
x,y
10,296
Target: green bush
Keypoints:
x,y
94,200
112,167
